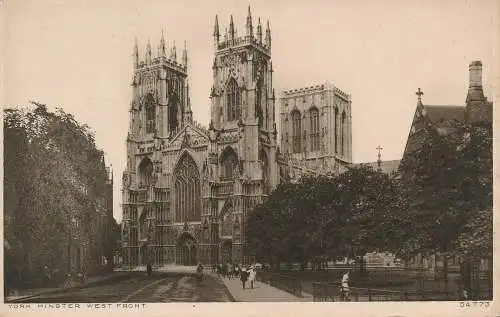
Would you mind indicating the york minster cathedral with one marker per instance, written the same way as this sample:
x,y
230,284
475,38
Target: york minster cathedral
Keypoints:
x,y
187,189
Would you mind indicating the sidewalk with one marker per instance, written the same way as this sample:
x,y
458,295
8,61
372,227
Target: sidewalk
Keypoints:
x,y
28,293
260,293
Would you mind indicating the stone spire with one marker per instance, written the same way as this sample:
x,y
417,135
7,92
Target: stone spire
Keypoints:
x,y
135,54
148,52
162,48
216,34
173,53
185,55
259,32
231,29
268,35
249,26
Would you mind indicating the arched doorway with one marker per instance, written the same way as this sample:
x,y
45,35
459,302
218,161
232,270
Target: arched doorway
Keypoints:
x,y
186,250
226,251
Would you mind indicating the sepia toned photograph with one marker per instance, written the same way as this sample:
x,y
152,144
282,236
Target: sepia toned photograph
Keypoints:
x,y
172,151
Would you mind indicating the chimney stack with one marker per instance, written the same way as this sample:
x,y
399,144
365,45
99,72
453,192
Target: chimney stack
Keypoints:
x,y
475,93
475,74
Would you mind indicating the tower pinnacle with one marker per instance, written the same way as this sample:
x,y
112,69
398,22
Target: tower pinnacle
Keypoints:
x,y
148,52
268,35
135,54
231,29
259,32
184,55
216,34
249,25
162,52
173,53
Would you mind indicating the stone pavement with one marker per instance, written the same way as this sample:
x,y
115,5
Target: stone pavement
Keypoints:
x,y
28,293
261,292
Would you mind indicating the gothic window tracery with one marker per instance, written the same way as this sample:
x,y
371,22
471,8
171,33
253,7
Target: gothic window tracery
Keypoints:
x,y
296,131
314,117
187,190
145,173
150,113
233,101
229,162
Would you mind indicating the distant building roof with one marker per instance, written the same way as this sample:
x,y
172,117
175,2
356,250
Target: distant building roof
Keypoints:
x,y
438,114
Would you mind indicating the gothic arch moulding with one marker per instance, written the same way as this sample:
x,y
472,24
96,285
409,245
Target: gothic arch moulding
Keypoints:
x,y
186,152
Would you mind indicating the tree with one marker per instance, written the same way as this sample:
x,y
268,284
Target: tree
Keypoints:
x,y
53,174
325,216
447,189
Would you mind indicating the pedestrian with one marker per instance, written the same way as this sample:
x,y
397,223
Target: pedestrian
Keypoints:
x,y
243,276
236,271
149,269
199,273
251,275
345,286
47,276
229,270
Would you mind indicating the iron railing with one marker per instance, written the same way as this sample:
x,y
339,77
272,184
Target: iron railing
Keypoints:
x,y
333,292
285,283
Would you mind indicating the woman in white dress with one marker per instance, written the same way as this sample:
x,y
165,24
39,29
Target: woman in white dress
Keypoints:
x,y
251,275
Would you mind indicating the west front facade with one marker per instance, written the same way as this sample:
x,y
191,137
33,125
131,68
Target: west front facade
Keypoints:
x,y
187,190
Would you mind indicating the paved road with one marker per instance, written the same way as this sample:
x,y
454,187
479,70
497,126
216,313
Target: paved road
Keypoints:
x,y
158,288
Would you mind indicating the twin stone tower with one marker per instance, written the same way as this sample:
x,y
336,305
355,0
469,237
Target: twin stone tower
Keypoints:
x,y
187,190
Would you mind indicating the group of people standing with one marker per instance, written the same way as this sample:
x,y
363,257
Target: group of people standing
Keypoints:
x,y
230,271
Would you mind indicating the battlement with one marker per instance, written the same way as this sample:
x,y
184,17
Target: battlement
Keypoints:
x,y
315,89
163,61
243,41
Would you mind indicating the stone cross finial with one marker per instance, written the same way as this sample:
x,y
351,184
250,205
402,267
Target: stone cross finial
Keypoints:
x,y
419,93
379,161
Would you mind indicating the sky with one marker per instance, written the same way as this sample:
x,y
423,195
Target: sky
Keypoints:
x,y
78,55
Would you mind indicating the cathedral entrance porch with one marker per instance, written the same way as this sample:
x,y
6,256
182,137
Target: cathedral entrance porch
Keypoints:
x,y
186,252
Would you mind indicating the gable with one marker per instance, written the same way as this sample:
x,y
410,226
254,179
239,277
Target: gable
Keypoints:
x,y
190,136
